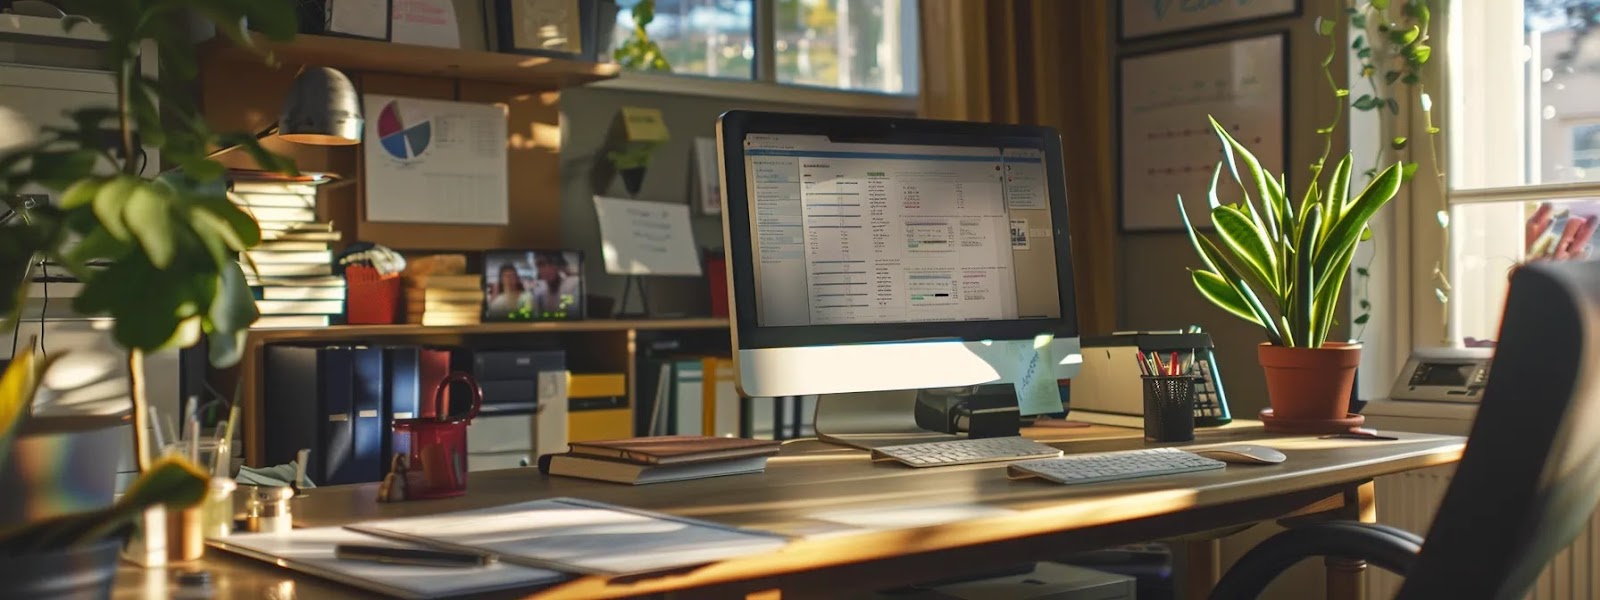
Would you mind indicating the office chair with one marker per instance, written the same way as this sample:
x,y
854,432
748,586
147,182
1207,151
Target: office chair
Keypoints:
x,y
1528,480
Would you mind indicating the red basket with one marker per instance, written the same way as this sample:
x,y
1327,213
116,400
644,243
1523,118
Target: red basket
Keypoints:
x,y
371,298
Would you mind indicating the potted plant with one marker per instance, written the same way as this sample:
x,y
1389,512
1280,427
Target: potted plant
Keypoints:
x,y
158,254
630,163
75,555
1281,267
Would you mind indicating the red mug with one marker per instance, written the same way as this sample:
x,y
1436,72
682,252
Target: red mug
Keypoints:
x,y
435,464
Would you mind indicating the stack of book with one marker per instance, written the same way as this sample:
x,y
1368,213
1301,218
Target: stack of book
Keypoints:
x,y
444,299
660,459
291,272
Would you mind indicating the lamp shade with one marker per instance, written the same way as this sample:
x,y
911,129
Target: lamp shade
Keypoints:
x,y
322,108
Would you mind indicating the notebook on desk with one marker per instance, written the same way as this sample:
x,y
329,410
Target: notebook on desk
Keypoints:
x,y
311,551
675,449
579,536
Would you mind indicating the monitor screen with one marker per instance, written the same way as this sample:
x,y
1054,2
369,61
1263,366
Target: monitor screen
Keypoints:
x,y
846,233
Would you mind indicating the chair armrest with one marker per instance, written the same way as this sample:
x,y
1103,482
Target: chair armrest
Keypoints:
x,y
1383,546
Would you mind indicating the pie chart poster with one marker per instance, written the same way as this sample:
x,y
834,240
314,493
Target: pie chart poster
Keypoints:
x,y
434,161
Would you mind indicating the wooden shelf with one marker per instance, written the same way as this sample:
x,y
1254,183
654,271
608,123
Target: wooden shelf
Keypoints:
x,y
360,332
406,59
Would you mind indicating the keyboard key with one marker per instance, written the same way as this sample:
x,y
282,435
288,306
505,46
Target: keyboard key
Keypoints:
x,y
961,452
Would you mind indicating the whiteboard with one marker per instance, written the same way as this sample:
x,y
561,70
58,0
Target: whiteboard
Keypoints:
x,y
646,238
1141,18
1168,146
435,161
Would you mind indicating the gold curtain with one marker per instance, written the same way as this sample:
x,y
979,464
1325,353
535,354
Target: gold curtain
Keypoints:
x,y
1038,62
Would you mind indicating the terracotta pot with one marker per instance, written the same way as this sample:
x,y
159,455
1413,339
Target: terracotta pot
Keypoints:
x,y
1307,384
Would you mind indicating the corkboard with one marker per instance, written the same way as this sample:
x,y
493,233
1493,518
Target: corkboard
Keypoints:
x,y
236,95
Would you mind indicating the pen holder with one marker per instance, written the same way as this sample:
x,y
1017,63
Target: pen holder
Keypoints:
x,y
435,464
1169,408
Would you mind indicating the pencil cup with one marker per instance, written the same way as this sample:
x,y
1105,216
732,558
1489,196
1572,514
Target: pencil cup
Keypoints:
x,y
1169,408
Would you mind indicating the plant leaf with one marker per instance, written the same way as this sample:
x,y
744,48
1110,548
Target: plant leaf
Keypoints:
x,y
1344,234
1218,292
1266,187
17,386
172,482
109,203
1250,244
149,217
1305,298
231,312
1230,274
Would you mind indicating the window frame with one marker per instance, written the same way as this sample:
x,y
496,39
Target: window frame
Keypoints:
x,y
764,85
1429,323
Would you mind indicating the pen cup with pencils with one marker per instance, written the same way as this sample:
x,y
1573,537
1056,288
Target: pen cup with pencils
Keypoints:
x,y
1168,408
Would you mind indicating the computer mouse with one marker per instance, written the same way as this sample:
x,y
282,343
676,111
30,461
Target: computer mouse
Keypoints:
x,y
1245,454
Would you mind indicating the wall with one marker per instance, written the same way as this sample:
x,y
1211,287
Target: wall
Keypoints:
x,y
586,117
1154,288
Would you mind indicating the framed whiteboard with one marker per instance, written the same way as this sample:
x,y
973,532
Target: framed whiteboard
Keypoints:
x,y
1167,145
1146,18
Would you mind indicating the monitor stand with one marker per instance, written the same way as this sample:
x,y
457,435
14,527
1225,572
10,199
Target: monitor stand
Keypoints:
x,y
874,419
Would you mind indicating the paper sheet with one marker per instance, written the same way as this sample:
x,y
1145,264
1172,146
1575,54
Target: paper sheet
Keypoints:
x,y
1035,378
434,161
646,238
707,175
311,551
580,536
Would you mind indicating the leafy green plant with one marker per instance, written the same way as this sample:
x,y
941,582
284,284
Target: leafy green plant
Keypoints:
x,y
639,52
157,254
1282,267
634,156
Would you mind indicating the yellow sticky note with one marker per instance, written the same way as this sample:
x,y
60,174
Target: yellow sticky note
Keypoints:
x,y
644,124
1035,380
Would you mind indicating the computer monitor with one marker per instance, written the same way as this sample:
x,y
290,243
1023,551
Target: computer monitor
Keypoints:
x,y
869,258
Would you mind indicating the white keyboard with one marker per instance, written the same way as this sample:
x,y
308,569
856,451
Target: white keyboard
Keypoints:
x,y
963,452
1113,466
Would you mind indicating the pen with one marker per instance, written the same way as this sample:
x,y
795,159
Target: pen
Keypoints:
x,y
1172,365
1144,367
411,556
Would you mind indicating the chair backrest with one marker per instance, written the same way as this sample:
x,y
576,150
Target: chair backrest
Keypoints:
x,y
1530,477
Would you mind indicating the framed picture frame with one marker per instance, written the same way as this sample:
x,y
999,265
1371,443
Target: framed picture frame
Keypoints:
x,y
361,19
555,28
1166,146
533,285
1140,19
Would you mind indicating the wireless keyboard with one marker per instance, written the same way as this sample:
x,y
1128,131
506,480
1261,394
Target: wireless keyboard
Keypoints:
x,y
1113,466
963,452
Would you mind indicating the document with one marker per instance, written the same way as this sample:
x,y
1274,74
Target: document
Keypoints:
x,y
311,551
646,238
434,161
580,536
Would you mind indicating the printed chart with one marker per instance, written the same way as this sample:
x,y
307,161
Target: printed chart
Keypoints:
x,y
1168,145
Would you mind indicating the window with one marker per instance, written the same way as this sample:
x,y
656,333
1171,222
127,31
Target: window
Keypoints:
x,y
1524,156
858,45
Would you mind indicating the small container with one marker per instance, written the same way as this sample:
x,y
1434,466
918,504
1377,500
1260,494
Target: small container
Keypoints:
x,y
267,510
218,511
185,534
1169,408
436,464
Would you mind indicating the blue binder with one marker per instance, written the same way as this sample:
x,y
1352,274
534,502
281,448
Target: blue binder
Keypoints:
x,y
366,459
402,395
337,443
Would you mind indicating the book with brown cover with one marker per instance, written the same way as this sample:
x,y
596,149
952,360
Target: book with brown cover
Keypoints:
x,y
675,449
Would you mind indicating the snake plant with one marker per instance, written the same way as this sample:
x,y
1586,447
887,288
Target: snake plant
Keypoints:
x,y
1282,267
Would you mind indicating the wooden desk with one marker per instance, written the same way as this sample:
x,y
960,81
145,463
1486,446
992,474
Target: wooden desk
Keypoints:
x,y
811,486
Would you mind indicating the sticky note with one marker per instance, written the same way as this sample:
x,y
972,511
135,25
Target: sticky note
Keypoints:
x,y
1035,379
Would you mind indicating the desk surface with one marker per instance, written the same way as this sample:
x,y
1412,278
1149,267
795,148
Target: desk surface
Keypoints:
x,y
849,512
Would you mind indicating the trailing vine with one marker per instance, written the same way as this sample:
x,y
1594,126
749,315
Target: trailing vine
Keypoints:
x,y
1392,49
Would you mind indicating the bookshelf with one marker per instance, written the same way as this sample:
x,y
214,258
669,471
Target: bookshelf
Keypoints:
x,y
531,72
599,345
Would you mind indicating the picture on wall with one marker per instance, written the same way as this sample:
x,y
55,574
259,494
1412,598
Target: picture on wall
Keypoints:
x,y
1146,18
533,285
1167,144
